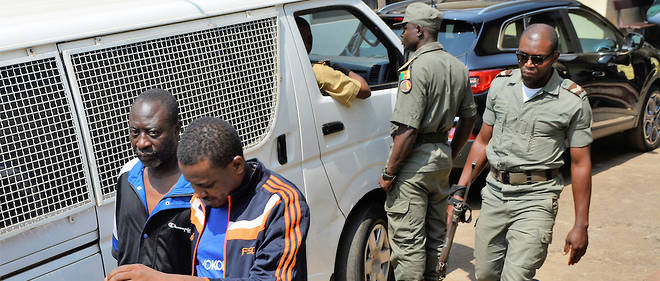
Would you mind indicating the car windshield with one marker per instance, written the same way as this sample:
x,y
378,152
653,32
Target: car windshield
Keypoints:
x,y
455,36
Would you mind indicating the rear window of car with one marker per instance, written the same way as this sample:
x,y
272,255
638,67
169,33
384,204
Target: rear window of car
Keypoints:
x,y
457,37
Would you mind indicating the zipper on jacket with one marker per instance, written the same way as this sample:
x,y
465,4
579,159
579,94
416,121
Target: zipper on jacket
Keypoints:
x,y
194,257
224,247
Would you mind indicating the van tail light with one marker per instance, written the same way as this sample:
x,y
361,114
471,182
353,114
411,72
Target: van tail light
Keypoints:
x,y
480,79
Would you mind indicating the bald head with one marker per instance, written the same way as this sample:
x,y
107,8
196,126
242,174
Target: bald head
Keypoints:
x,y
539,32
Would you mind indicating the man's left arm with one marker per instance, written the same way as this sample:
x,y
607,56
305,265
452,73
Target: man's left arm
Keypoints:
x,y
365,90
281,255
467,116
579,138
404,140
577,239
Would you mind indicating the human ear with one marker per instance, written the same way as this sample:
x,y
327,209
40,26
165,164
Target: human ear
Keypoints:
x,y
238,165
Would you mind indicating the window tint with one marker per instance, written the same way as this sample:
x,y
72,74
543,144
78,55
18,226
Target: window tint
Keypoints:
x,y
593,34
341,37
510,37
455,36
555,20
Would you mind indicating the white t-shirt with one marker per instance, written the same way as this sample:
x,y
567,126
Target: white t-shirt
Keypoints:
x,y
528,93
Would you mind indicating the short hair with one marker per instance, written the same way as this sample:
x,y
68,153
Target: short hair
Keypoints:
x,y
545,30
209,138
163,97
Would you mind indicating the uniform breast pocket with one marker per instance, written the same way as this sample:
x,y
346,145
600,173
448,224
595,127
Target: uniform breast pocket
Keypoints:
x,y
500,120
544,128
547,135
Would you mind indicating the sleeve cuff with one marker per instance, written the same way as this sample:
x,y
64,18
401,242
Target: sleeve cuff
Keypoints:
x,y
580,138
410,122
488,117
468,112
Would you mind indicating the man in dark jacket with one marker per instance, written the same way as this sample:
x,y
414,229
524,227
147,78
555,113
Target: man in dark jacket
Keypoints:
x,y
152,215
249,222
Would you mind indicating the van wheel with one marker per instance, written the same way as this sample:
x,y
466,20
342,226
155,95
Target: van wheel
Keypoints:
x,y
365,249
646,136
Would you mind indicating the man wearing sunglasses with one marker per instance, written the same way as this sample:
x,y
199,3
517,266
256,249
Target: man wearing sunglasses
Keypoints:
x,y
531,115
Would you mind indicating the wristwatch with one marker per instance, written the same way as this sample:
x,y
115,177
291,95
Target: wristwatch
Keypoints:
x,y
387,176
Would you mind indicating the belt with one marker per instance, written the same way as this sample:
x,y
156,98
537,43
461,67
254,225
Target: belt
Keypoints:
x,y
525,177
431,138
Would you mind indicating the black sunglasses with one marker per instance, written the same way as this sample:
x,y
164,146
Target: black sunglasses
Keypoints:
x,y
536,59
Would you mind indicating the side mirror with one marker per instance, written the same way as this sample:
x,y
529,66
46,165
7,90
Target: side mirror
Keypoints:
x,y
634,41
605,46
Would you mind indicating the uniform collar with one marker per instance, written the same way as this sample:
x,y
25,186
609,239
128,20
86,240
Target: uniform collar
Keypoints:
x,y
428,47
551,87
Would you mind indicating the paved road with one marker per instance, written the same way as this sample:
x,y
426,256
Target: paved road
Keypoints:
x,y
624,230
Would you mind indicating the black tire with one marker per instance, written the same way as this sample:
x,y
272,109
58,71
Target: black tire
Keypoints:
x,y
646,136
355,254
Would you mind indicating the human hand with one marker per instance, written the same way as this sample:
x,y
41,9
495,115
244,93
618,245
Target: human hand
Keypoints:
x,y
577,241
135,272
450,210
385,184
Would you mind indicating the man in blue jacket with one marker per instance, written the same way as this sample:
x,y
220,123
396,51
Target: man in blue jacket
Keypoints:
x,y
249,222
153,198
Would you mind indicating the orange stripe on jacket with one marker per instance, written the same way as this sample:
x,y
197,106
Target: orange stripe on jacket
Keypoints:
x,y
292,219
296,223
194,202
285,197
288,264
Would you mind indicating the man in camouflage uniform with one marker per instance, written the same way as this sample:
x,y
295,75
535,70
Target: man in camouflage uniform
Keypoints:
x,y
433,88
531,114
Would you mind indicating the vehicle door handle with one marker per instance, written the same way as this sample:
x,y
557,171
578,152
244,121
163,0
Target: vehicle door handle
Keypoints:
x,y
598,73
281,149
332,127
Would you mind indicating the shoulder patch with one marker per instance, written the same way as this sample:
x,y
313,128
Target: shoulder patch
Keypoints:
x,y
572,87
405,65
505,73
575,89
405,85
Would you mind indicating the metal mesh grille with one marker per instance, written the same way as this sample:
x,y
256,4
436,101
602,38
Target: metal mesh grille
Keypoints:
x,y
229,72
41,168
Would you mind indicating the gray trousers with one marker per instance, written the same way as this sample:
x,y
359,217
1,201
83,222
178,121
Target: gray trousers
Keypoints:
x,y
512,235
416,215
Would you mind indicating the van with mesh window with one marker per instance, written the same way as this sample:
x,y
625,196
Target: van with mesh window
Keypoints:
x,y
69,71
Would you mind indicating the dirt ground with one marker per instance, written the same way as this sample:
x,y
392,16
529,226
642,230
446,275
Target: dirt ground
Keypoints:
x,y
624,231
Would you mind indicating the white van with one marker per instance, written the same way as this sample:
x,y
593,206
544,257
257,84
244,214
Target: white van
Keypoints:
x,y
69,71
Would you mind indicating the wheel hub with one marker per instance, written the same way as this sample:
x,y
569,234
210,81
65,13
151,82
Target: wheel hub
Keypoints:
x,y
652,119
377,255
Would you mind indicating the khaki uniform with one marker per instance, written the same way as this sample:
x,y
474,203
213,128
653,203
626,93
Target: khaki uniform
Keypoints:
x,y
515,223
433,88
338,85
